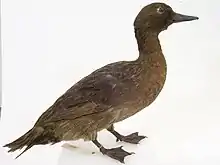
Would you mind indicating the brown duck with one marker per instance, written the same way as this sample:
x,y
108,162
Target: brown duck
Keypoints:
x,y
111,93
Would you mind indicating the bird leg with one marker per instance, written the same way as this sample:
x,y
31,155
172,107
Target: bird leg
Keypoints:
x,y
133,138
114,153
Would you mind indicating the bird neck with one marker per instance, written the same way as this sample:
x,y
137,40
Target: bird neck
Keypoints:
x,y
148,42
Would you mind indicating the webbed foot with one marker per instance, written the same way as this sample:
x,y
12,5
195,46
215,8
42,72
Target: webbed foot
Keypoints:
x,y
133,138
116,153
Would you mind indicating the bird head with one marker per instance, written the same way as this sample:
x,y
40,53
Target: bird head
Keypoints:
x,y
156,17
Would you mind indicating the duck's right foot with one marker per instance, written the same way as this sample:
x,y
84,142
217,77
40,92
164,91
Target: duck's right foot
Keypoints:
x,y
133,138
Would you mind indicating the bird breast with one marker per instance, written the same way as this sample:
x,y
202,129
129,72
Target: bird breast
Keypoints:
x,y
148,85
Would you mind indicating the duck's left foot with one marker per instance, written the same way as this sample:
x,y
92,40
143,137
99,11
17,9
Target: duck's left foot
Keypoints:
x,y
133,138
114,153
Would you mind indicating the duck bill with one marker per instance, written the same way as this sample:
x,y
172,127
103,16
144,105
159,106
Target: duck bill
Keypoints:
x,y
182,18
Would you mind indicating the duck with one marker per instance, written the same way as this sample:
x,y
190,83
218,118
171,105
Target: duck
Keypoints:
x,y
111,93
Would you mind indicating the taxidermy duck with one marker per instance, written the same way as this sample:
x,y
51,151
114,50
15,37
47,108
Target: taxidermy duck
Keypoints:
x,y
110,94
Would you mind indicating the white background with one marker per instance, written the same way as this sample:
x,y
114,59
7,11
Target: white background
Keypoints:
x,y
48,45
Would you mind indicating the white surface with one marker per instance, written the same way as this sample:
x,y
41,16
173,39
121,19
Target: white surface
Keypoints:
x,y
0,66
45,44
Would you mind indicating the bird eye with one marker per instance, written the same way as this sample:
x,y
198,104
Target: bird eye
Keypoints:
x,y
160,10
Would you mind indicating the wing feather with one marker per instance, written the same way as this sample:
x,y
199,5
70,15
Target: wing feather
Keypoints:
x,y
93,94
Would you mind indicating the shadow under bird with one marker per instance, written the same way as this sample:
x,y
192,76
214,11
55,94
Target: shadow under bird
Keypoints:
x,y
109,94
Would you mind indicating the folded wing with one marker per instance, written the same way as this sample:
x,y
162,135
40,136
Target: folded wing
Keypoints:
x,y
93,94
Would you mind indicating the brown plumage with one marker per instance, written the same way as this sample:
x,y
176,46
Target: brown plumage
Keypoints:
x,y
111,93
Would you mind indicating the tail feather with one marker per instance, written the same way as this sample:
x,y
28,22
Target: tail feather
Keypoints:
x,y
29,139
27,148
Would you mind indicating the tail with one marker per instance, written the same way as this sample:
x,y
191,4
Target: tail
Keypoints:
x,y
29,139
